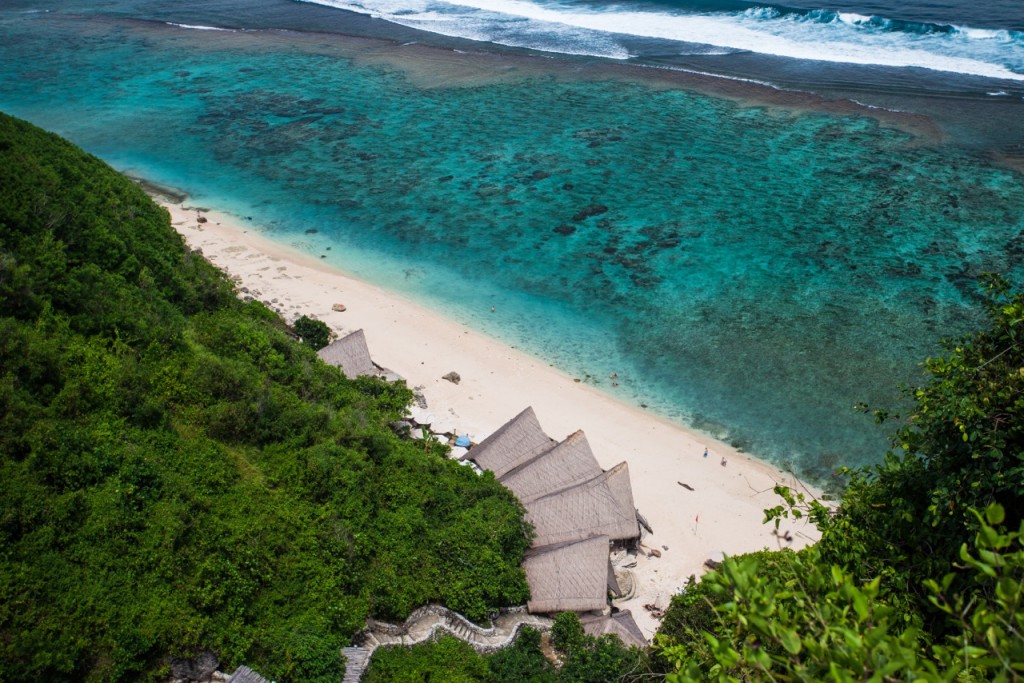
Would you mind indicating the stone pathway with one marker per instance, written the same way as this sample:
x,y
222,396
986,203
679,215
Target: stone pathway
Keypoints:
x,y
430,622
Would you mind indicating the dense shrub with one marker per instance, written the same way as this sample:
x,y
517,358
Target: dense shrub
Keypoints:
x,y
178,475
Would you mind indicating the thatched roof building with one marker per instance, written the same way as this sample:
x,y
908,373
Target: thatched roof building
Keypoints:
x,y
621,624
568,576
351,354
568,464
603,505
519,440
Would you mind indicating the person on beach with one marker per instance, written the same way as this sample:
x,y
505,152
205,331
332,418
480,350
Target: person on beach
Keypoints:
x,y
705,451
723,461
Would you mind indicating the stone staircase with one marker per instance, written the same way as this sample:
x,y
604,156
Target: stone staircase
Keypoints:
x,y
356,661
430,622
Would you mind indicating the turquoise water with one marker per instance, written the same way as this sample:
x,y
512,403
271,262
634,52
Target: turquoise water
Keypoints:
x,y
746,271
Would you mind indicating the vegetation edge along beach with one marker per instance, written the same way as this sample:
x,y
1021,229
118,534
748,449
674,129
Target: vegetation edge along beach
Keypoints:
x,y
180,475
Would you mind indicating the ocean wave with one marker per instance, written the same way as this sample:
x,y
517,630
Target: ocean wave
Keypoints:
x,y
611,30
199,27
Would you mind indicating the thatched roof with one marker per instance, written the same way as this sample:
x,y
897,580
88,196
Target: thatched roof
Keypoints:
x,y
603,505
517,441
569,576
351,354
622,488
568,464
621,624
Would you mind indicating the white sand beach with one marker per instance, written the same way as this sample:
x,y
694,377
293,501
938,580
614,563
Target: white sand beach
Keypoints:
x,y
719,511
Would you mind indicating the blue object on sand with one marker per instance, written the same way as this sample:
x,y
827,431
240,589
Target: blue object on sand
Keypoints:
x,y
462,441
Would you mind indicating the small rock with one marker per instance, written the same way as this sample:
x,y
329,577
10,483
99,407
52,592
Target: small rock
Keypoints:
x,y
402,428
452,377
419,399
340,308
565,229
201,219
655,552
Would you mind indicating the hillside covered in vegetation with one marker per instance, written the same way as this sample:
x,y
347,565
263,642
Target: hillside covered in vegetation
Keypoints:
x,y
179,475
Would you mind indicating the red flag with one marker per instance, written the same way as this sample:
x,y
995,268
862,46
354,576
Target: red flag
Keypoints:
x,y
696,520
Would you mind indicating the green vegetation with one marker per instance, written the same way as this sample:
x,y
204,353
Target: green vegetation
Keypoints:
x,y
584,659
916,576
178,475
313,332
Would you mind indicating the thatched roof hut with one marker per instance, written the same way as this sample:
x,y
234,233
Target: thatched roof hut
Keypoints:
x,y
603,505
351,354
568,576
517,441
621,624
568,464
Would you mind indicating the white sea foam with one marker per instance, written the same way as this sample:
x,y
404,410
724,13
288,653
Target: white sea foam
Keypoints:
x,y
199,27
843,38
984,34
853,19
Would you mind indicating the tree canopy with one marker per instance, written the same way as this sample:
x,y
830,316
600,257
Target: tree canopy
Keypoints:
x,y
178,475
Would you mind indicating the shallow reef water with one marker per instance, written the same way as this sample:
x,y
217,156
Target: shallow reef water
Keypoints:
x,y
749,271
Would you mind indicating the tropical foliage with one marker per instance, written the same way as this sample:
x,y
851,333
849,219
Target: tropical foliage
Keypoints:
x,y
582,659
178,475
920,571
313,332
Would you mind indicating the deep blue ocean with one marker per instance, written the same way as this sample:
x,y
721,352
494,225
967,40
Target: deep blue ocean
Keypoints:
x,y
752,265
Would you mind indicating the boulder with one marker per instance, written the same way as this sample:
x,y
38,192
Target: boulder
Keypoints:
x,y
340,308
198,668
418,398
452,377
402,428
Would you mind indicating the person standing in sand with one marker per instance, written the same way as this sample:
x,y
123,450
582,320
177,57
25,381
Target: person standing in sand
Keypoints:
x,y
705,451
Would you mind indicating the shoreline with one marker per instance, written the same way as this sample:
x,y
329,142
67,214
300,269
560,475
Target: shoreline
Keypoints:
x,y
719,511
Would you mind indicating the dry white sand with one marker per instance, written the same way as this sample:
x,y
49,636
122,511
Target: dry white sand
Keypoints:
x,y
722,514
